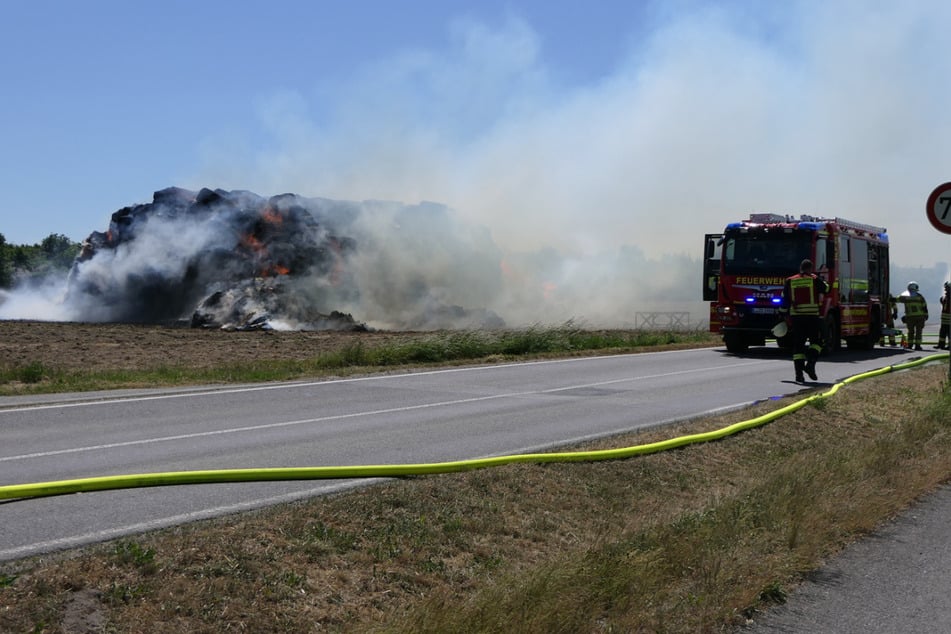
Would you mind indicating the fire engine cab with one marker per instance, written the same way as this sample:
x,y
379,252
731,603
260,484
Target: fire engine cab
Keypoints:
x,y
745,267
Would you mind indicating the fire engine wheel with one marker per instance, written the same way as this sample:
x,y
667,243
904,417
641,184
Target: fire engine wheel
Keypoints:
x,y
832,333
735,342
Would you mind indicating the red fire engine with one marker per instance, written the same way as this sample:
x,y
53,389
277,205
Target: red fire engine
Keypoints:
x,y
745,267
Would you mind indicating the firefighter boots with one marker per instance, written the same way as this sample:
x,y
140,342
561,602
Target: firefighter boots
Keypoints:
x,y
811,355
811,369
799,365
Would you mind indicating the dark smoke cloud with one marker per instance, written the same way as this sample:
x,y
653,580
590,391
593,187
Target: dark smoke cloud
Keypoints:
x,y
236,259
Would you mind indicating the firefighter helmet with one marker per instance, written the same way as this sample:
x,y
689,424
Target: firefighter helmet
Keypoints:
x,y
913,287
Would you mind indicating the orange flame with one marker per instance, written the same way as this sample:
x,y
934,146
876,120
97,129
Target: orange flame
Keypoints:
x,y
260,253
275,269
248,240
272,215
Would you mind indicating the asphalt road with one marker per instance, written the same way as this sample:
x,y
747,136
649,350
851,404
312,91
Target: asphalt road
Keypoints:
x,y
894,582
399,418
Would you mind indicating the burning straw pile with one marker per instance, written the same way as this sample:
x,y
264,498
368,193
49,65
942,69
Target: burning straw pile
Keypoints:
x,y
233,259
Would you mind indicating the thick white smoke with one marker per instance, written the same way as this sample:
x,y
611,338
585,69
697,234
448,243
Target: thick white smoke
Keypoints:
x,y
236,259
42,299
831,109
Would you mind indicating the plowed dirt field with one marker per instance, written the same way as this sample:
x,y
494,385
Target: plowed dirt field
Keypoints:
x,y
132,346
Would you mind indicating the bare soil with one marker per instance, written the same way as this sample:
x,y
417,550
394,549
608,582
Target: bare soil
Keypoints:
x,y
72,346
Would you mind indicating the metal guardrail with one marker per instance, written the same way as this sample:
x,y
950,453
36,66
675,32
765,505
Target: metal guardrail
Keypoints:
x,y
662,320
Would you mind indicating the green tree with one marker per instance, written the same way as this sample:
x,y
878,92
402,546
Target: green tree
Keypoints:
x,y
6,276
21,256
59,251
19,262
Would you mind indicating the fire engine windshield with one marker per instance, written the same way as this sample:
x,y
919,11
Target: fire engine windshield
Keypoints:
x,y
765,253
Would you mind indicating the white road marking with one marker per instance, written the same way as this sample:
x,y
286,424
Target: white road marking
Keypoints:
x,y
306,421
287,386
174,520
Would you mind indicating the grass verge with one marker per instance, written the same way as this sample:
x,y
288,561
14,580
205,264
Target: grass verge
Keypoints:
x,y
354,356
698,539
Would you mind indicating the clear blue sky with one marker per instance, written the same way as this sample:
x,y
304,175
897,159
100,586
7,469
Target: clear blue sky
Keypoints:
x,y
583,126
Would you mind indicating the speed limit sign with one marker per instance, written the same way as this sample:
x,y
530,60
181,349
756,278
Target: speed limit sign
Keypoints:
x,y
939,208
939,215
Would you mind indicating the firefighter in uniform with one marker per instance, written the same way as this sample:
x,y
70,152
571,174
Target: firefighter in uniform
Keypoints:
x,y
801,301
943,332
916,314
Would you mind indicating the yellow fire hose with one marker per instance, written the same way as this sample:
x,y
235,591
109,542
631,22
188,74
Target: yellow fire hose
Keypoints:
x,y
103,483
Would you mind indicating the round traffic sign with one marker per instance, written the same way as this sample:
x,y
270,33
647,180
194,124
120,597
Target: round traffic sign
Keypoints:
x,y
939,208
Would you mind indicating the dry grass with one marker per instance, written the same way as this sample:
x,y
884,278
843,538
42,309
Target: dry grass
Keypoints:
x,y
692,540
51,357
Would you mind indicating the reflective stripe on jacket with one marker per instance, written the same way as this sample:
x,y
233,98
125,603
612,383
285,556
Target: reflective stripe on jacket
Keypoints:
x,y
801,295
915,305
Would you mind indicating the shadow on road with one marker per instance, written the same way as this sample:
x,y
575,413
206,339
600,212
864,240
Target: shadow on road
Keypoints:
x,y
809,384
833,367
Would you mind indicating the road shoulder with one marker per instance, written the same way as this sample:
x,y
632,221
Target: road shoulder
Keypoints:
x,y
896,580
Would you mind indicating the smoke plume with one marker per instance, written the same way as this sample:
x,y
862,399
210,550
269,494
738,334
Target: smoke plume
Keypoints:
x,y
236,259
714,111
564,200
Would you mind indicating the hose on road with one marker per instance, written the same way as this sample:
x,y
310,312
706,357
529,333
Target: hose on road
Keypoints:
x,y
103,483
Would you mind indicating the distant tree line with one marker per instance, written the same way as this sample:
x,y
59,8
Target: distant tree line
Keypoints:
x,y
19,262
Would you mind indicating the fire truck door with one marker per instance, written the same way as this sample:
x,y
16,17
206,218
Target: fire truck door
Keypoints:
x,y
712,251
